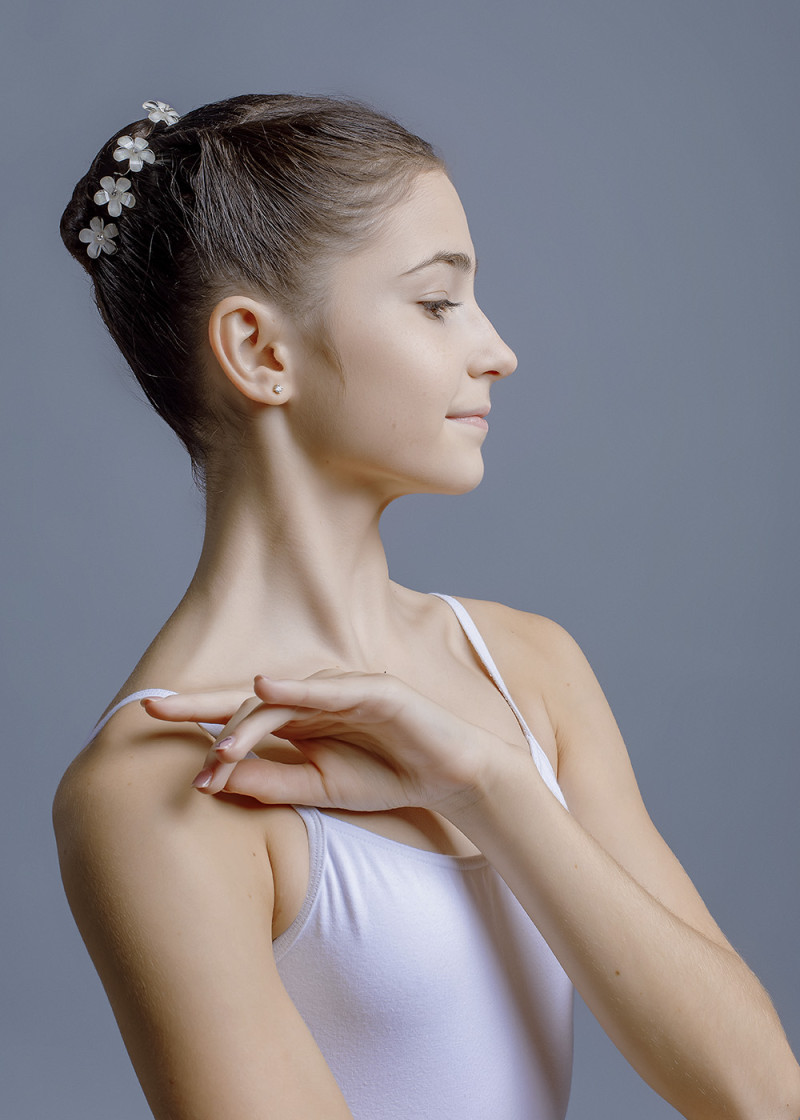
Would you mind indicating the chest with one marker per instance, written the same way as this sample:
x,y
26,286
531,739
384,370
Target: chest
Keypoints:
x,y
459,683
422,979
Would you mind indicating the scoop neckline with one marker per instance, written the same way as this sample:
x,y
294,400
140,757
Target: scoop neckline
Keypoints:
x,y
467,862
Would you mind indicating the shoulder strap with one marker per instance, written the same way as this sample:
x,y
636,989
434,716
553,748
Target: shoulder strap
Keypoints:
x,y
160,693
543,764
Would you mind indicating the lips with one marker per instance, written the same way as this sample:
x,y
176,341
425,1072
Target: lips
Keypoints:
x,y
471,419
475,417
473,413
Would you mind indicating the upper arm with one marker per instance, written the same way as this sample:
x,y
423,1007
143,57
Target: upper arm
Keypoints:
x,y
173,895
545,665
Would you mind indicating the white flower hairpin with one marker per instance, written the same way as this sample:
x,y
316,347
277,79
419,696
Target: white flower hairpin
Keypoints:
x,y
135,150
160,111
115,194
98,237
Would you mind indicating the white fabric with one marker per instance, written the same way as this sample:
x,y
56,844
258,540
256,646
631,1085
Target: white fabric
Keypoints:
x,y
428,989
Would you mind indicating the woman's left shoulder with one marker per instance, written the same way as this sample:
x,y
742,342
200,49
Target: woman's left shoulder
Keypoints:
x,y
520,636
542,664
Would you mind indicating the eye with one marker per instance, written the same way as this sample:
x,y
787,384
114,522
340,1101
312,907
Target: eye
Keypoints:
x,y
437,307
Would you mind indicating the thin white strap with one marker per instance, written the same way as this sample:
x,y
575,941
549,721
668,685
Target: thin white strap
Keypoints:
x,y
543,764
160,693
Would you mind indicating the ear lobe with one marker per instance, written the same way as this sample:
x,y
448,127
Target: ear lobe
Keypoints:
x,y
245,337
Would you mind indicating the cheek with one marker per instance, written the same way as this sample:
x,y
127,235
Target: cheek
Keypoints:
x,y
396,380
396,404
372,350
391,362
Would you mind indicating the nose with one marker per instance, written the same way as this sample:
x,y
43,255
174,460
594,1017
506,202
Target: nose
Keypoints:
x,y
491,355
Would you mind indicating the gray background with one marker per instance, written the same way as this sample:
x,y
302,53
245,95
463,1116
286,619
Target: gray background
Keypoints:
x,y
631,172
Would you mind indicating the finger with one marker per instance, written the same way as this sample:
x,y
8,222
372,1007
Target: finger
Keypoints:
x,y
213,776
248,730
278,783
197,707
374,694
243,733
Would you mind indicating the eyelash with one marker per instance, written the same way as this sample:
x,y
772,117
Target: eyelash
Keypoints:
x,y
436,307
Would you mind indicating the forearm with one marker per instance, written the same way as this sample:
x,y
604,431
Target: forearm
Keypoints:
x,y
680,1004
685,1011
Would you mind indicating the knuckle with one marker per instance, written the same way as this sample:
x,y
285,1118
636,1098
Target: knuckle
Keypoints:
x,y
324,674
386,693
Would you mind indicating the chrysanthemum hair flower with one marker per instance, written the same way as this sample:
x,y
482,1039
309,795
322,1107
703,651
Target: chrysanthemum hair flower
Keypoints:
x,y
136,151
98,237
160,111
114,194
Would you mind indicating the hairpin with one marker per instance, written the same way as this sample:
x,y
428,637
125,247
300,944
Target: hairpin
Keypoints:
x,y
116,193
160,111
136,151
98,236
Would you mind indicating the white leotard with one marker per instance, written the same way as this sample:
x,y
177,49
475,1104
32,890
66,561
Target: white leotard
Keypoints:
x,y
428,989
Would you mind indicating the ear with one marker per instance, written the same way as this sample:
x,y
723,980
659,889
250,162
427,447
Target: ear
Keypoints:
x,y
250,341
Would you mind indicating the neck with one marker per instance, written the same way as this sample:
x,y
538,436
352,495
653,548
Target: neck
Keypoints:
x,y
292,578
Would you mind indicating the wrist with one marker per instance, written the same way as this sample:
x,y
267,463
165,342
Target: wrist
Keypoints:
x,y
504,779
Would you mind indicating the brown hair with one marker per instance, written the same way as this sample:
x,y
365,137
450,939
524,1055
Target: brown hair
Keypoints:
x,y
256,191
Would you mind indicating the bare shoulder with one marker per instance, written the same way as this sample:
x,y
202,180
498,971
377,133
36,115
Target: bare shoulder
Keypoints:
x,y
134,773
543,668
534,653
538,650
506,627
542,662
127,801
174,895
130,755
593,766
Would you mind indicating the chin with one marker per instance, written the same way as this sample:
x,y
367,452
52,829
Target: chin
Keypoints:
x,y
461,482
453,478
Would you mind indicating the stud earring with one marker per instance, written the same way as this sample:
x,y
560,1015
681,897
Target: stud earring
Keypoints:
x,y
277,390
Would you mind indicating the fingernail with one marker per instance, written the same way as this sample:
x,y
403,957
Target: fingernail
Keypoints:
x,y
223,744
203,779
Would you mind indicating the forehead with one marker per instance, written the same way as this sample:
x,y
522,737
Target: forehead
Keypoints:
x,y
428,223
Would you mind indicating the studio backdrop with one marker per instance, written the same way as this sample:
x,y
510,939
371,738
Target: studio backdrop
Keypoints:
x,y
630,170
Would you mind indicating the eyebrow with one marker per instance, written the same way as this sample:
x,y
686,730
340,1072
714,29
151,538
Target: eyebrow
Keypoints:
x,y
459,261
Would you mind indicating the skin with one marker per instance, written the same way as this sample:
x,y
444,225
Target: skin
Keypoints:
x,y
374,709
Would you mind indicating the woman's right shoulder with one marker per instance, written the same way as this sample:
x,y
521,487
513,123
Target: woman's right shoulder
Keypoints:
x,y
133,781
174,893
130,767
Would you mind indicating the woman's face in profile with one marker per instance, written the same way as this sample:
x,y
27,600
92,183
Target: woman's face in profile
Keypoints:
x,y
418,357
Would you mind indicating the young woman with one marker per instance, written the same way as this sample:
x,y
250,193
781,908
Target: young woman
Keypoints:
x,y
419,827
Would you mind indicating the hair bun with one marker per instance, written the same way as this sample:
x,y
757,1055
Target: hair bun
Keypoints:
x,y
258,192
86,231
